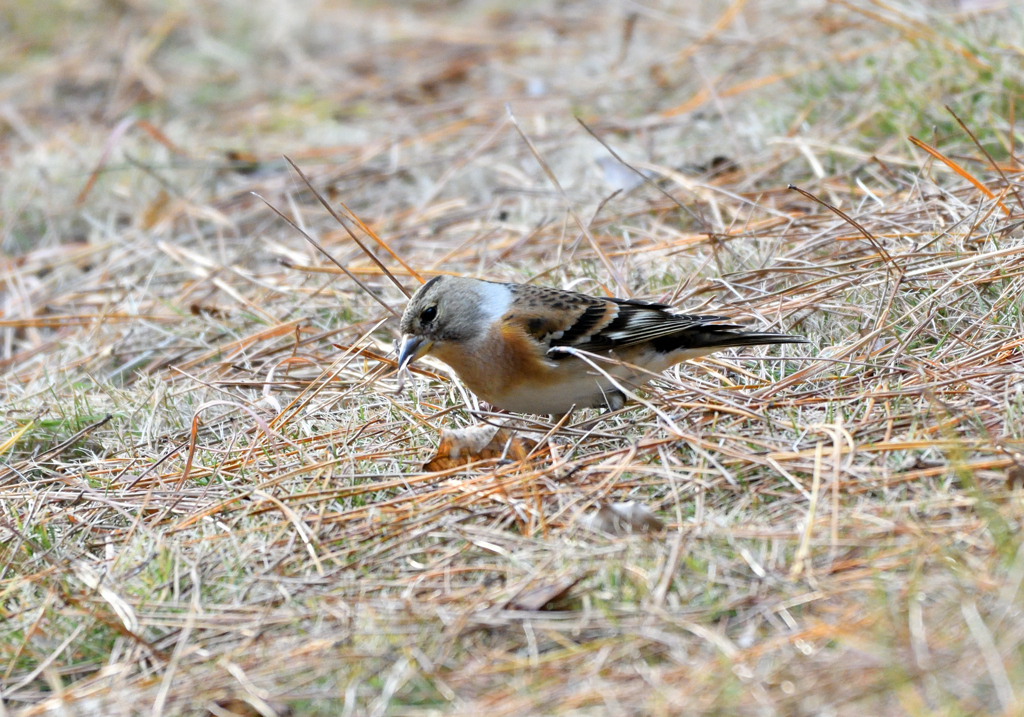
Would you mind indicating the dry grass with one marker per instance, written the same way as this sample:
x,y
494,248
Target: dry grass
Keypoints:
x,y
212,494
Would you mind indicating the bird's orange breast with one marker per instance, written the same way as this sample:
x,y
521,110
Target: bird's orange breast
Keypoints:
x,y
507,359
525,357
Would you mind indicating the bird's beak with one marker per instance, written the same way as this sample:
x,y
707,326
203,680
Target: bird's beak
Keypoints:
x,y
413,347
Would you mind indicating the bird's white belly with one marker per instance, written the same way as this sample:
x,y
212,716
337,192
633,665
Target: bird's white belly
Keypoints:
x,y
556,400
585,389
581,386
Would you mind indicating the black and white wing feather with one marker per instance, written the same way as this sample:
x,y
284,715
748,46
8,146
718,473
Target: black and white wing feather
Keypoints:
x,y
567,319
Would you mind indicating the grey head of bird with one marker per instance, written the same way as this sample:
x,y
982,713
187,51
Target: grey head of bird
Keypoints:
x,y
447,310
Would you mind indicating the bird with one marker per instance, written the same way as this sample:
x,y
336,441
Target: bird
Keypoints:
x,y
532,349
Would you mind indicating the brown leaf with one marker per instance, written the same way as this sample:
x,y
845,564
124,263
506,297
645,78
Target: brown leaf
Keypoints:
x,y
197,309
454,71
242,162
1014,477
660,77
232,706
465,445
156,210
545,595
622,518
236,707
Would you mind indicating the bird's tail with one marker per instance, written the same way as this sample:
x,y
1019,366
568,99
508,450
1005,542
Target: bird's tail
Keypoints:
x,y
707,339
751,338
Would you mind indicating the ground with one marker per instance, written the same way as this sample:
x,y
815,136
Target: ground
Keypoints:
x,y
215,499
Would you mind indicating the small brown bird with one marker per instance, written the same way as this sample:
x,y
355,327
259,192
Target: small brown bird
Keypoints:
x,y
514,344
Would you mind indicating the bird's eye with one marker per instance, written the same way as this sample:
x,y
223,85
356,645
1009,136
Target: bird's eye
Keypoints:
x,y
429,314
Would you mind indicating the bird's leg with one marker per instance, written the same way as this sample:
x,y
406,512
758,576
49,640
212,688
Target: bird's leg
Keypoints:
x,y
557,419
497,417
486,407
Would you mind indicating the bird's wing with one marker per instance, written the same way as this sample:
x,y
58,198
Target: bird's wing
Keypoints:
x,y
637,322
556,318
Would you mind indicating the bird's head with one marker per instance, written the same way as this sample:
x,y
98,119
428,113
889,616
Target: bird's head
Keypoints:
x,y
448,310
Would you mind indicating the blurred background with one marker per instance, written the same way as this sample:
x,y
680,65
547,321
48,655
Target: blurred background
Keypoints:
x,y
215,500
